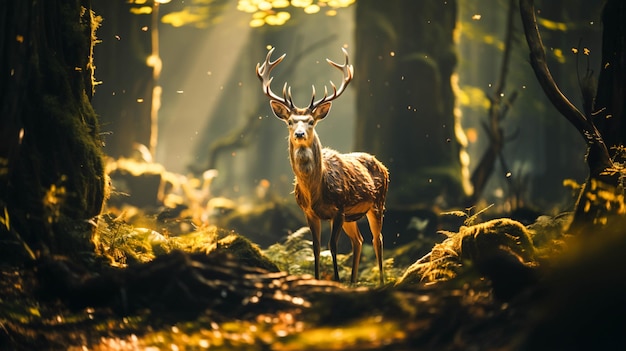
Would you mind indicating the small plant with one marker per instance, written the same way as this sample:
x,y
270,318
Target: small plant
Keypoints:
x,y
123,244
469,219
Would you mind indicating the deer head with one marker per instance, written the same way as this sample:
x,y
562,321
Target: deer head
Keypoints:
x,y
301,121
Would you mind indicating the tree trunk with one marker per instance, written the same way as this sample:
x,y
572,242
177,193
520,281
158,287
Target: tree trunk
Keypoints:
x,y
562,153
602,196
52,181
610,102
405,98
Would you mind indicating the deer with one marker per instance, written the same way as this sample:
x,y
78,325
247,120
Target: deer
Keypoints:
x,y
340,188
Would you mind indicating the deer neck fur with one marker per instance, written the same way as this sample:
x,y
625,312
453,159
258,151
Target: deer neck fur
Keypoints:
x,y
306,162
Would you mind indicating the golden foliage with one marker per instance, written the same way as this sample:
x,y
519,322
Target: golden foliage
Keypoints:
x,y
603,199
143,10
473,97
552,25
274,12
196,16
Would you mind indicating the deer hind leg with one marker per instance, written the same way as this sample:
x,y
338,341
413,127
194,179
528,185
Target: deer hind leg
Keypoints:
x,y
375,219
352,230
315,224
335,228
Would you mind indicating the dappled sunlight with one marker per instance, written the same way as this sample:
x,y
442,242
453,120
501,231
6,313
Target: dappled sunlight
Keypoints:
x,y
196,83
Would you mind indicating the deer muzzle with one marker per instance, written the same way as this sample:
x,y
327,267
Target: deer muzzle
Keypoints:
x,y
299,132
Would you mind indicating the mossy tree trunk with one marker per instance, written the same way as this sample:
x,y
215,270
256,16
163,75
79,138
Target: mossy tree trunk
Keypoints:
x,y
52,182
405,98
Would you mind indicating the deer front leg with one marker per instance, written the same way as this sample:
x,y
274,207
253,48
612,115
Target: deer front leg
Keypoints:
x,y
352,230
315,224
335,226
375,219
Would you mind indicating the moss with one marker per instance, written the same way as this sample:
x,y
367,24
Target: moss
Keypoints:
x,y
500,249
479,241
123,244
246,252
294,255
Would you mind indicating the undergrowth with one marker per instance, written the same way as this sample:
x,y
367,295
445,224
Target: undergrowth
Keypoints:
x,y
122,244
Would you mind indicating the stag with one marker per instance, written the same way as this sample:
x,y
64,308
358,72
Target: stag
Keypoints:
x,y
341,188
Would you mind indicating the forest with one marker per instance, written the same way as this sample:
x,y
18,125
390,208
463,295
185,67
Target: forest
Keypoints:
x,y
164,187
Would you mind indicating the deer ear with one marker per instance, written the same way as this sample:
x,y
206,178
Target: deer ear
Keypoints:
x,y
280,110
321,111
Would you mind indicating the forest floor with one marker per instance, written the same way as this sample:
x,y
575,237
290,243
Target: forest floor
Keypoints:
x,y
444,317
184,299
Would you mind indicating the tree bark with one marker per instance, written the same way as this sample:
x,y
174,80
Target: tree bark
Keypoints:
x,y
610,102
52,181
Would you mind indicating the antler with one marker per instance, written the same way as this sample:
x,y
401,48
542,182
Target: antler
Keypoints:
x,y
263,72
347,71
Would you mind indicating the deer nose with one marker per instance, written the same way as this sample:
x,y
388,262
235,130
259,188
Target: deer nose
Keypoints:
x,y
299,134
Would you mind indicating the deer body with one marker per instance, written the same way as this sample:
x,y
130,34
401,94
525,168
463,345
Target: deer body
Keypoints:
x,y
341,183
329,185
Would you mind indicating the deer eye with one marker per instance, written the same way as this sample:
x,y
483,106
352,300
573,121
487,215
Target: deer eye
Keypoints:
x,y
290,122
311,122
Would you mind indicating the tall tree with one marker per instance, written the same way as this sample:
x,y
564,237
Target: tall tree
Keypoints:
x,y
52,180
600,122
405,99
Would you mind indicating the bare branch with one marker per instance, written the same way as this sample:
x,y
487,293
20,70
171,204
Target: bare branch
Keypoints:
x,y
542,72
598,158
498,108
